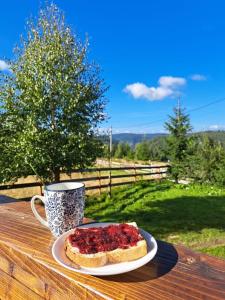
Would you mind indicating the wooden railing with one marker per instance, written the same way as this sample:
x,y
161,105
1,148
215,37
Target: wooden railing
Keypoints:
x,y
160,170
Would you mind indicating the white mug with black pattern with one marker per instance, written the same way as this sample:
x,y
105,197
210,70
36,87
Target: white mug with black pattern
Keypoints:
x,y
64,206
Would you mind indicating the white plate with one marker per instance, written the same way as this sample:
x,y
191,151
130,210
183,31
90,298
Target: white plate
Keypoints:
x,y
59,255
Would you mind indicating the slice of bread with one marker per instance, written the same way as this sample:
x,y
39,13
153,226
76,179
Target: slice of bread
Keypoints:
x,y
102,258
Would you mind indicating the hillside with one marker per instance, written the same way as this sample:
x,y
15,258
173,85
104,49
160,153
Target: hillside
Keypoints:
x,y
134,138
218,136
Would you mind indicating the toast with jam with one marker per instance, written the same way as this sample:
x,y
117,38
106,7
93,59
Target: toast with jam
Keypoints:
x,y
98,246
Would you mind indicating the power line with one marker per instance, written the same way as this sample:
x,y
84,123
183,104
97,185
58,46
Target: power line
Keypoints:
x,y
188,111
206,105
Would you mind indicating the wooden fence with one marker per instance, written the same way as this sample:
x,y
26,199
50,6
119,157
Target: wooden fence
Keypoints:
x,y
139,173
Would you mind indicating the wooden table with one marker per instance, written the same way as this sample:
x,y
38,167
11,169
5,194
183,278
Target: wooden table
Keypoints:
x,y
28,270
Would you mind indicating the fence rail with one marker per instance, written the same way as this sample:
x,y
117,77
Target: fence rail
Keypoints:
x,y
119,168
158,170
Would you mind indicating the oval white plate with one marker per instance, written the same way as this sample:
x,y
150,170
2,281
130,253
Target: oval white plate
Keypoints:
x,y
59,255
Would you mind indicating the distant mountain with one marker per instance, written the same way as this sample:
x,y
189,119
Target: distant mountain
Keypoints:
x,y
217,136
134,138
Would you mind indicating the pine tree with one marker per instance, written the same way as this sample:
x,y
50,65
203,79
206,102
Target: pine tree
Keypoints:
x,y
123,150
178,140
142,151
209,160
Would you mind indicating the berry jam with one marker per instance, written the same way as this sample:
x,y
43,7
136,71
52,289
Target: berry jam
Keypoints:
x,y
98,239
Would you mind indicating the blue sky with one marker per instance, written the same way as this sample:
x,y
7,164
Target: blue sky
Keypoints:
x,y
150,52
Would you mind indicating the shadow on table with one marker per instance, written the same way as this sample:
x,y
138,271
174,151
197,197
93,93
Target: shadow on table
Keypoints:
x,y
6,199
164,261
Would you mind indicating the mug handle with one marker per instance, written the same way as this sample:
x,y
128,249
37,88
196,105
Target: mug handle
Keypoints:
x,y
40,219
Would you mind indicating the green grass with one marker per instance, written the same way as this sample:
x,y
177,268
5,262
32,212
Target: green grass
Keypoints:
x,y
191,215
215,251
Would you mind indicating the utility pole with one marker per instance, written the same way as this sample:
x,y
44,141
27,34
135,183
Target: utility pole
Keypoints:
x,y
110,144
110,160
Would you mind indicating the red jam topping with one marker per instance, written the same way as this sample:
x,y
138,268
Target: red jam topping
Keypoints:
x,y
98,239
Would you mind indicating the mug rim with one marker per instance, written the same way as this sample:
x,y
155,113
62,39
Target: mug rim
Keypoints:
x,y
46,187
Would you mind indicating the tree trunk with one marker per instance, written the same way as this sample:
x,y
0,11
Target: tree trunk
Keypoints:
x,y
56,175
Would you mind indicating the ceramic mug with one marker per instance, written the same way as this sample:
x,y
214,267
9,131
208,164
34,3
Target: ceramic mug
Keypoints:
x,y
64,206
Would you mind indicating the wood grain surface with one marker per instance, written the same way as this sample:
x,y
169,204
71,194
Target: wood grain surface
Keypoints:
x,y
28,270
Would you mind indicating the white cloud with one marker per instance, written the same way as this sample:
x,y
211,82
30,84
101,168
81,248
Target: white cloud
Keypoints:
x,y
168,86
216,127
171,81
198,77
4,66
140,90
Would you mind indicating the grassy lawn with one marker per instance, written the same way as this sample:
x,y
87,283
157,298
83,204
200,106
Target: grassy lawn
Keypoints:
x,y
192,215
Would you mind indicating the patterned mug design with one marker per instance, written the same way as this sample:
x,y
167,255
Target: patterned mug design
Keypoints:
x,y
64,206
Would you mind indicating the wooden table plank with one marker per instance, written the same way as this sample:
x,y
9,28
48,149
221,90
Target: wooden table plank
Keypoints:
x,y
38,278
175,272
9,287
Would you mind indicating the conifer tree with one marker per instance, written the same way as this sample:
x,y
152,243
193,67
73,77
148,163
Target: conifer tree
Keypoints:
x,y
178,127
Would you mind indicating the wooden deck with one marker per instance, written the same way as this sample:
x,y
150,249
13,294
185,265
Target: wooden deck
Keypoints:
x,y
28,270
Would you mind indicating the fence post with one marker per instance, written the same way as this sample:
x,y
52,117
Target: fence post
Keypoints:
x,y
110,161
135,174
99,181
110,183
